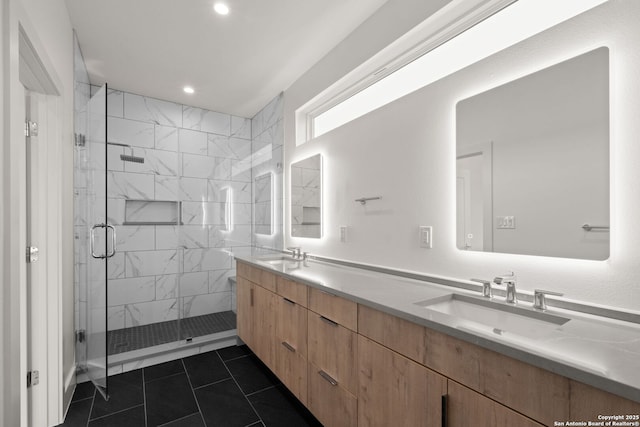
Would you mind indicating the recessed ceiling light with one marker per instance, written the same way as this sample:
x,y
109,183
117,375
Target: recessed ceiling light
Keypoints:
x,y
188,89
221,8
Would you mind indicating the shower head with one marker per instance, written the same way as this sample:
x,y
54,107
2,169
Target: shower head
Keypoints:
x,y
131,158
127,157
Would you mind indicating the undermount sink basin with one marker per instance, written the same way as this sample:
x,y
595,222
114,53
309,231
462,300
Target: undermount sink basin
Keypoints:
x,y
498,318
278,261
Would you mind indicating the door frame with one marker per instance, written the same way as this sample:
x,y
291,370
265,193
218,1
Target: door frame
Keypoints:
x,y
28,65
484,149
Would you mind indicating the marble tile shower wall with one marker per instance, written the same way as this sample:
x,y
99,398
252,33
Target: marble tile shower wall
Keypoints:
x,y
162,272
268,158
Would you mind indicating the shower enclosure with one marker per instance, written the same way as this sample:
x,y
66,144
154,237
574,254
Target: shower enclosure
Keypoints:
x,y
165,195
156,227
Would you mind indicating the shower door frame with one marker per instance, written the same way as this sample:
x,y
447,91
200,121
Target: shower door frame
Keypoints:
x,y
94,334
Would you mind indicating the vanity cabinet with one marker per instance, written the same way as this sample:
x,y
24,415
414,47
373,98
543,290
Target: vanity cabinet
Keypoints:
x,y
396,391
534,392
352,365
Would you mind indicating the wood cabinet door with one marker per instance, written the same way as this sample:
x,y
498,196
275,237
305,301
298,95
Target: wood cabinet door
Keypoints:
x,y
264,328
396,391
587,403
244,312
466,407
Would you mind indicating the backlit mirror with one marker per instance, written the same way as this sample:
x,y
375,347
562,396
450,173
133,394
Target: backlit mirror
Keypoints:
x,y
263,204
533,163
225,215
306,197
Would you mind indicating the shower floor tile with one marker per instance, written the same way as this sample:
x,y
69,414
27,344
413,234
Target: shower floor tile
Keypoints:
x,y
166,395
137,337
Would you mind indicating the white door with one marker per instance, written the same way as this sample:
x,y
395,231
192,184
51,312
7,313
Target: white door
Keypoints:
x,y
44,304
464,236
36,262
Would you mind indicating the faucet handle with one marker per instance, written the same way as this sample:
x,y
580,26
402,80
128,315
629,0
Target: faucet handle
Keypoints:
x,y
486,287
508,276
539,300
295,251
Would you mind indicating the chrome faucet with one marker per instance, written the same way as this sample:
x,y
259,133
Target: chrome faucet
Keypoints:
x,y
539,300
295,252
508,280
486,287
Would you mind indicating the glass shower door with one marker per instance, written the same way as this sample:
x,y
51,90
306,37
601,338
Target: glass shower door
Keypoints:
x,y
101,241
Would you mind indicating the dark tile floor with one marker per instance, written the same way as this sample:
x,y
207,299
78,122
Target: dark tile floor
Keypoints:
x,y
228,387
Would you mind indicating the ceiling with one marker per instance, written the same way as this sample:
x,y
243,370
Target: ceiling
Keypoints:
x,y
236,63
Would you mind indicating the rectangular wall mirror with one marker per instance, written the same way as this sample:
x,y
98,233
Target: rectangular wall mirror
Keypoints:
x,y
532,163
306,197
263,204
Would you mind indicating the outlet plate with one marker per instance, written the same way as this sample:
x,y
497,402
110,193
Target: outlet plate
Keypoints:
x,y
426,236
506,222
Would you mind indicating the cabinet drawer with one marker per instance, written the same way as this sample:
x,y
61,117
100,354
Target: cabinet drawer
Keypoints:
x,y
291,290
333,307
256,275
333,348
292,369
466,407
331,404
292,325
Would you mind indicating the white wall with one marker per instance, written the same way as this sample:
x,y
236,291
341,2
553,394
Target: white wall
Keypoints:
x,y
47,25
405,152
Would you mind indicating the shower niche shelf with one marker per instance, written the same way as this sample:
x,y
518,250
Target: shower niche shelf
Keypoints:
x,y
152,212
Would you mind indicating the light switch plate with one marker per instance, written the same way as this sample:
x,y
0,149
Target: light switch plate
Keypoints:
x,y
426,236
343,233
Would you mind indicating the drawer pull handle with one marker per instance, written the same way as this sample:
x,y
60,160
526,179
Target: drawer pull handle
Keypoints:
x,y
329,321
444,411
289,301
327,377
251,297
288,346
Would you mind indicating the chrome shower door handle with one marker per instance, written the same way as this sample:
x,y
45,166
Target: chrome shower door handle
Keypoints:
x,y
92,241
113,240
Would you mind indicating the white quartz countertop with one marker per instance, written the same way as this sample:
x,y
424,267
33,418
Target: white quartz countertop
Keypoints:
x,y
595,350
